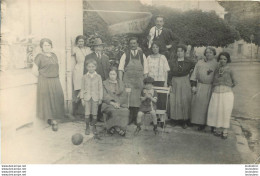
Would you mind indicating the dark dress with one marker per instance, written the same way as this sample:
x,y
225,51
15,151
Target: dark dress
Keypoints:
x,y
180,96
50,98
115,92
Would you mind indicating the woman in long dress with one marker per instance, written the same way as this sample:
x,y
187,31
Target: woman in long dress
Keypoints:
x,y
180,96
50,98
202,78
158,68
79,52
115,104
222,99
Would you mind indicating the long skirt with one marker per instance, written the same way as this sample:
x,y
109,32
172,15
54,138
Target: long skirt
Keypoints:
x,y
220,109
180,98
50,98
116,117
200,103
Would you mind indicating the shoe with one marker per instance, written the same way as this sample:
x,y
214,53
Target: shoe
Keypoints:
x,y
184,126
189,124
213,129
138,129
217,134
96,136
54,125
94,129
87,131
120,131
202,127
111,131
224,135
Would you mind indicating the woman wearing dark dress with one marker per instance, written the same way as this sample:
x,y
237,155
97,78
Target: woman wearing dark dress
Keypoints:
x,y
115,104
180,96
50,98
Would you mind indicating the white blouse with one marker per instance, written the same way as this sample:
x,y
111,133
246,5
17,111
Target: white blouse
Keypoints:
x,y
157,67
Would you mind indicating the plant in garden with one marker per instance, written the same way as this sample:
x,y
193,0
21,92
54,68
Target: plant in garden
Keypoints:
x,y
245,17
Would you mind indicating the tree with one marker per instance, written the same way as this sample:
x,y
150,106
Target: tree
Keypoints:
x,y
245,17
195,27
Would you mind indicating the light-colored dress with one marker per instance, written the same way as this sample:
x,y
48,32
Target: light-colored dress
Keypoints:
x,y
79,54
203,73
222,99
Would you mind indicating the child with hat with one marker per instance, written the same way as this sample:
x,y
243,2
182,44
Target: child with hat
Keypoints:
x,y
148,104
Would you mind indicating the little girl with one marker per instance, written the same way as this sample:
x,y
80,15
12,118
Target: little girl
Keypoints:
x,y
222,99
91,94
148,104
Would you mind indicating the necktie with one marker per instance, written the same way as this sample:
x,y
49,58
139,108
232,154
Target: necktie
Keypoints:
x,y
157,32
99,55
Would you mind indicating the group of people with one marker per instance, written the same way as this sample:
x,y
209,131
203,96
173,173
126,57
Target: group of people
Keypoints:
x,y
200,93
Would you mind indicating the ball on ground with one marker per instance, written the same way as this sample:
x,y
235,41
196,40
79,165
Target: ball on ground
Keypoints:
x,y
77,139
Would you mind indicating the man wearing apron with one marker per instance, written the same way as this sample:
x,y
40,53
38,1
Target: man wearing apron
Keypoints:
x,y
132,70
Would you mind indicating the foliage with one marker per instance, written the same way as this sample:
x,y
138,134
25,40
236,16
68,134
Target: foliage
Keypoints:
x,y
195,27
245,17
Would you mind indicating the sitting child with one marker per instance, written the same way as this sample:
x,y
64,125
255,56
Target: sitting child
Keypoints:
x,y
148,104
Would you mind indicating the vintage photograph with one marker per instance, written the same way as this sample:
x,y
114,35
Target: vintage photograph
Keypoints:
x,y
130,82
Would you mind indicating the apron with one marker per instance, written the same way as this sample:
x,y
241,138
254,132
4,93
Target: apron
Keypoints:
x,y
133,78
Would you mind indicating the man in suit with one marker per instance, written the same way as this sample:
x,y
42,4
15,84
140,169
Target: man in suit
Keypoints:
x,y
162,35
103,64
102,60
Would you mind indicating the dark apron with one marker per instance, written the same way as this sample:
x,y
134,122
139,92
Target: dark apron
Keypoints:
x,y
133,78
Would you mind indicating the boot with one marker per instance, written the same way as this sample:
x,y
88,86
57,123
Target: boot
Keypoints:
x,y
94,130
155,129
184,124
201,127
87,131
138,129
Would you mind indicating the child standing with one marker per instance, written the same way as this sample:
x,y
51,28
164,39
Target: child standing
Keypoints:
x,y
148,104
91,94
222,99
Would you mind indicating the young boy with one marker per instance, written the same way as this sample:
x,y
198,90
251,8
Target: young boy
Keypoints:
x,y
148,104
91,94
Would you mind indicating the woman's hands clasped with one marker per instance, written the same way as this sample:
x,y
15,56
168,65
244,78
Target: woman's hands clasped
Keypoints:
x,y
194,90
115,105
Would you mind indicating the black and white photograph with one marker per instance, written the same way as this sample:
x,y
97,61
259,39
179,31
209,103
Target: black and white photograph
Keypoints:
x,y
130,82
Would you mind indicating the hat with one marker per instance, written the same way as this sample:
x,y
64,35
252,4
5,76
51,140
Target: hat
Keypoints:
x,y
97,41
148,80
